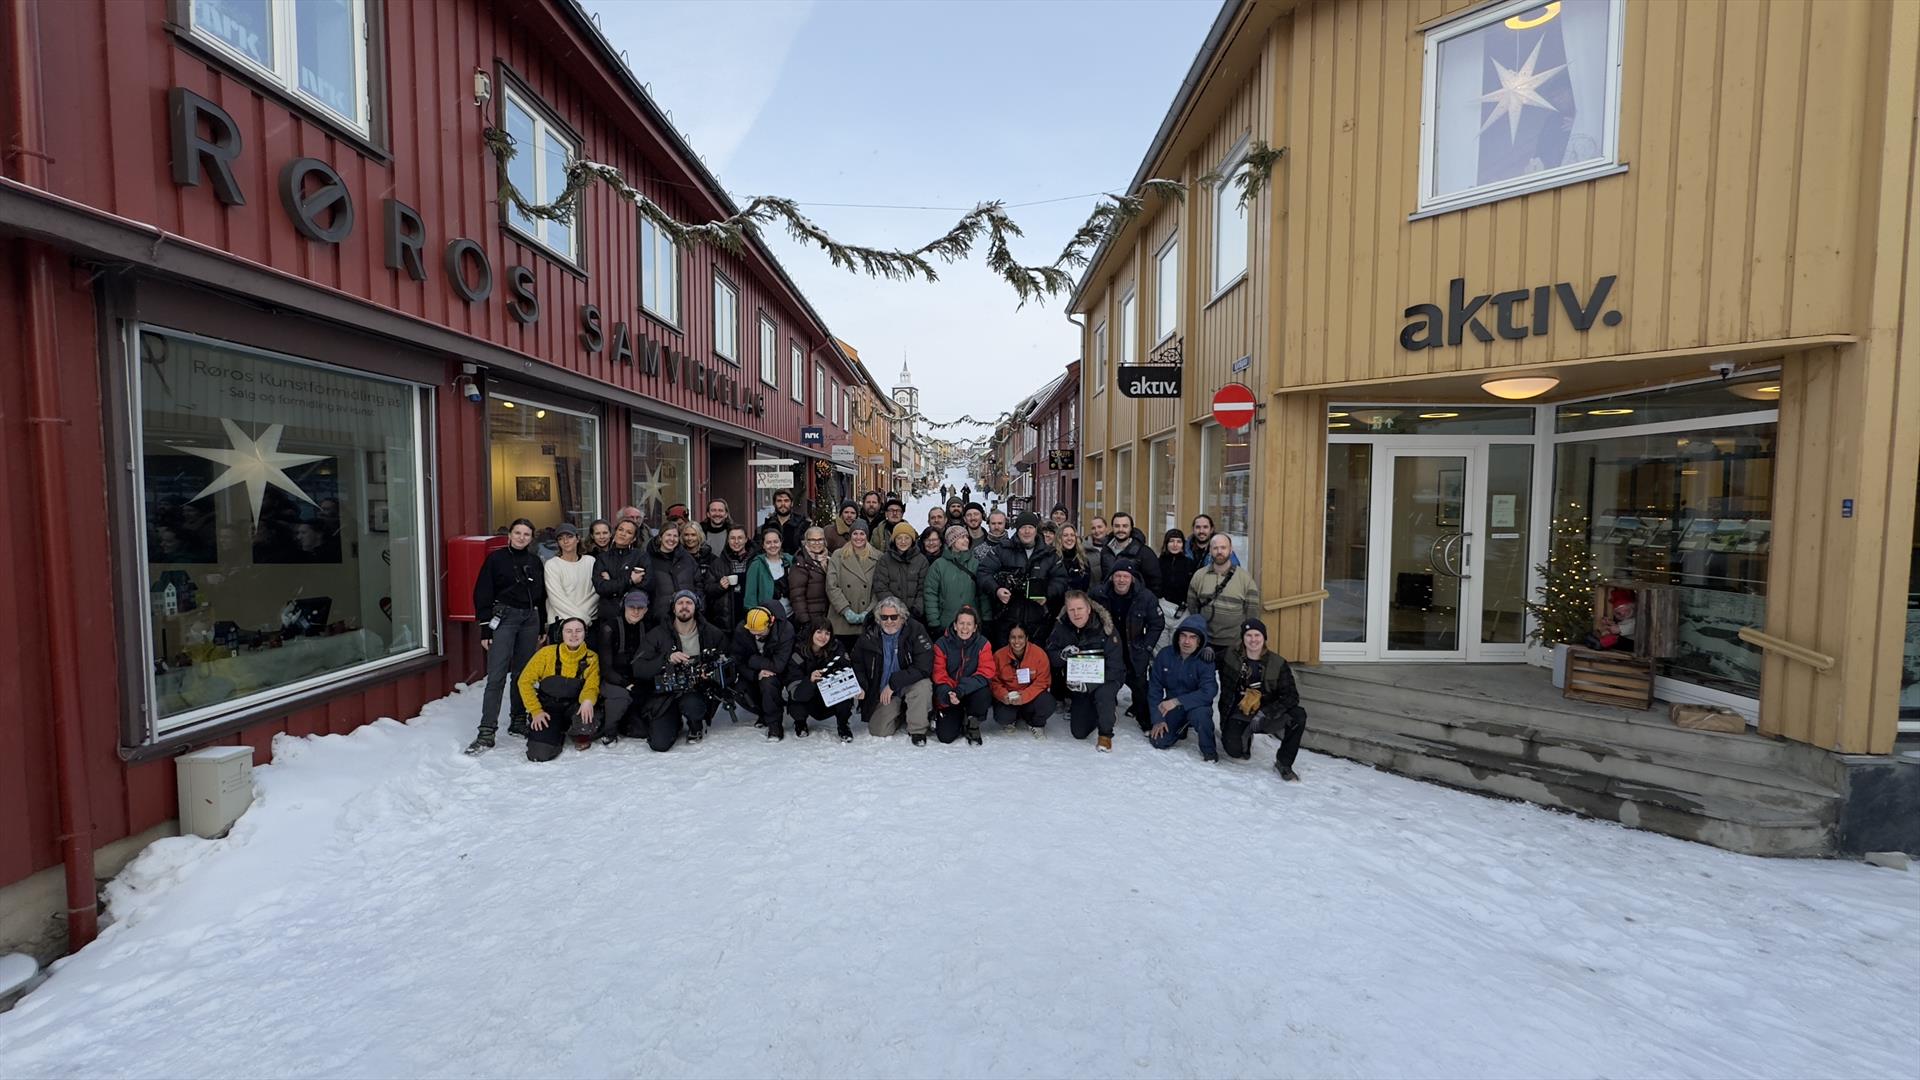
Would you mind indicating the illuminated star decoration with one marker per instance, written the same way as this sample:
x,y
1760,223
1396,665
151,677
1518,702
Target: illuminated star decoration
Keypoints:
x,y
652,489
1518,89
253,462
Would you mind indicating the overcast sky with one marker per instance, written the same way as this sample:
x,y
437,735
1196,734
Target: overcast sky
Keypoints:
x,y
939,104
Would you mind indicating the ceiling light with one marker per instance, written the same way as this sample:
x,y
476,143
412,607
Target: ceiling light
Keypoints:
x,y
1689,472
539,414
507,404
1341,424
1609,412
1336,415
1522,22
1756,391
1520,388
1438,415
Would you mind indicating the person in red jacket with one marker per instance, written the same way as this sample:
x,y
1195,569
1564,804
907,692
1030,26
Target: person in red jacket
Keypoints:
x,y
962,679
1022,675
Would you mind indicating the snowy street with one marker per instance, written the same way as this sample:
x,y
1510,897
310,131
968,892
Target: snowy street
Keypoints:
x,y
390,907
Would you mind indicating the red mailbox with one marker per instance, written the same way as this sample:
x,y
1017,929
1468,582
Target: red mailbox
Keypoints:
x,y
464,556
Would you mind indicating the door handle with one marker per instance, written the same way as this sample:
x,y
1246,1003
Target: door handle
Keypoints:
x,y
1434,560
1446,555
1466,556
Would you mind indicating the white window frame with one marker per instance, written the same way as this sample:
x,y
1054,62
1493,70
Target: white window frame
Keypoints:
x,y
798,365
544,127
1166,301
1226,199
769,346
285,71
819,389
659,268
726,319
1100,359
1607,164
1129,330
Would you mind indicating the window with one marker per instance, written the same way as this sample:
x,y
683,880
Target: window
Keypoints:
x,y
1166,291
1123,485
1129,333
1226,488
659,271
662,472
544,463
833,399
315,50
285,537
769,356
798,391
1517,98
819,390
1229,224
1100,358
726,320
1349,519
1164,512
539,170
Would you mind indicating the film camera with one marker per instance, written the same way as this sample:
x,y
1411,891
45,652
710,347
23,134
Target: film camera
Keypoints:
x,y
712,674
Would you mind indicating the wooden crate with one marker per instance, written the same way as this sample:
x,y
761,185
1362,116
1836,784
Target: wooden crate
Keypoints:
x,y
1609,678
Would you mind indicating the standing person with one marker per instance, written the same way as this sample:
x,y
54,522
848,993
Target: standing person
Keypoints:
x,y
1138,622
1022,675
894,661
1076,562
1096,532
670,569
1059,516
727,578
950,583
873,511
807,580
1085,629
818,652
641,533
956,512
976,522
1176,570
997,526
842,530
510,597
1181,687
680,638
1200,542
620,568
694,544
962,679
966,493
767,584
569,581
1257,693
792,526
1224,593
1124,543
762,648
937,520
1023,578
599,538
894,513
901,569
716,525
559,687
850,585
628,665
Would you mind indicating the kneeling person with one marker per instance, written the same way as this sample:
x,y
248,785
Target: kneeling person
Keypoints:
x,y
817,656
628,664
962,679
762,646
678,702
894,661
559,687
1181,687
1258,694
1085,629
1021,676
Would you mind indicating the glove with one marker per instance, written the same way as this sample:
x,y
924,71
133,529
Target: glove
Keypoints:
x,y
1250,703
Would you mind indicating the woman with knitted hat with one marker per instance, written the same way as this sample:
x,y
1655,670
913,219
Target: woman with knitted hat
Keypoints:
x,y
950,583
902,569
850,585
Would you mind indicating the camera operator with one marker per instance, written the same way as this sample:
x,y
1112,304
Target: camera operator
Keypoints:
x,y
762,647
818,656
629,661
681,638
1020,575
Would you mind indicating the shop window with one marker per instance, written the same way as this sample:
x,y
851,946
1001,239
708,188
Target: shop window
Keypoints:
x,y
1166,291
1757,393
662,471
798,365
1163,475
1229,224
1123,482
1226,471
545,465
659,272
538,169
1100,358
769,352
1430,420
726,320
1520,97
315,50
283,518
1349,518
1096,487
1129,333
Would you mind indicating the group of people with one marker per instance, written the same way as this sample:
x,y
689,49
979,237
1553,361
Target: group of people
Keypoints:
x,y
630,632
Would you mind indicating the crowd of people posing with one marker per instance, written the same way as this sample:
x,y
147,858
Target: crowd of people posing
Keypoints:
x,y
625,632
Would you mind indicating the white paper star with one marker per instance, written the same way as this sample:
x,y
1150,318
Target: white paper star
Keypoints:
x,y
1518,89
652,489
253,462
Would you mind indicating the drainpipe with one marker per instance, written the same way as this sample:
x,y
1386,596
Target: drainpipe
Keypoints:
x,y
47,426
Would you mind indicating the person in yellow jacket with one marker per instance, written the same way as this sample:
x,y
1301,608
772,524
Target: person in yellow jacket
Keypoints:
x,y
560,687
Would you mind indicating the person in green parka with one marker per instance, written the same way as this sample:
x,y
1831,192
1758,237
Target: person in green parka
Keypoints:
x,y
949,585
767,577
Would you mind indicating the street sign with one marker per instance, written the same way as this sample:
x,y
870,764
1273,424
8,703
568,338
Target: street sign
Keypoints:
x,y
812,436
1150,380
1060,459
774,478
1233,406
843,453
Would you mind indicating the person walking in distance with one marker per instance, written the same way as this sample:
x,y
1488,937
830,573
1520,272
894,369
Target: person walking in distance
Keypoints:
x,y
1181,687
569,580
1223,593
559,687
1258,694
962,679
818,653
510,595
1086,629
1022,675
894,662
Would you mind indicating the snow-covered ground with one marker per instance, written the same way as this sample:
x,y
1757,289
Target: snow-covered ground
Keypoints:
x,y
390,907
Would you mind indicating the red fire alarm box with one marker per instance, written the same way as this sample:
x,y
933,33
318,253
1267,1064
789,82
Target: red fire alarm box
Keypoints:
x,y
464,556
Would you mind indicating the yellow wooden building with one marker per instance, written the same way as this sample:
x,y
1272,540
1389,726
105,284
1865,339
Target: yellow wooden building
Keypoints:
x,y
1634,278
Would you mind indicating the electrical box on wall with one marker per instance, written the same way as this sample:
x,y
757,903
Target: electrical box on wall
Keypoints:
x,y
464,556
216,787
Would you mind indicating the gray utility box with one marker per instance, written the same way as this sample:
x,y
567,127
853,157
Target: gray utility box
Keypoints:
x,y
216,787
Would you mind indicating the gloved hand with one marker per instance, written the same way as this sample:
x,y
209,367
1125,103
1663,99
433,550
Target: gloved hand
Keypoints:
x,y
852,616
1250,703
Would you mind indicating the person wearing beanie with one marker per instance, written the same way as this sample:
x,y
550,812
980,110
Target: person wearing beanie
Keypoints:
x,y
1181,686
1020,580
949,584
962,679
681,636
1059,516
1139,622
842,529
1258,694
762,647
850,585
975,518
628,664
902,570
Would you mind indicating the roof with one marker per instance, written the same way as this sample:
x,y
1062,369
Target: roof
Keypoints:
x,y
1050,395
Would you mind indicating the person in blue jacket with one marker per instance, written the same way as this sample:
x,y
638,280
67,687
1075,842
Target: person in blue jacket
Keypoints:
x,y
1181,687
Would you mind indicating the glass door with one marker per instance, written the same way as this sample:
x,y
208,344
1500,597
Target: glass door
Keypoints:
x,y
1425,569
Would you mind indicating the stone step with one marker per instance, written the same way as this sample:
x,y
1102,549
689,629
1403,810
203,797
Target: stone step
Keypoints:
x,y
1735,824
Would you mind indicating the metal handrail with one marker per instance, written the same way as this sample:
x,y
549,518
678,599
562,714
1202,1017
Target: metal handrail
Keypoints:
x,y
1296,601
1818,661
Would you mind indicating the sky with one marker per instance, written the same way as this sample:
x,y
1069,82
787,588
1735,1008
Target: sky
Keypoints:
x,y
921,104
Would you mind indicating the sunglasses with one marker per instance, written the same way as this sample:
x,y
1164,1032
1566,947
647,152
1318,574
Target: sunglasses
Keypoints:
x,y
891,618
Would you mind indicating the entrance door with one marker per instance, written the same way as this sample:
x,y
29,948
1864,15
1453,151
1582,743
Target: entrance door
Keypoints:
x,y
1427,596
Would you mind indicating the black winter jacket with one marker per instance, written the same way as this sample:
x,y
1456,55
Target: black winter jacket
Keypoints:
x,y
513,578
668,573
773,653
1097,637
611,580
1279,697
1137,621
804,663
725,603
628,654
1046,583
1137,550
869,657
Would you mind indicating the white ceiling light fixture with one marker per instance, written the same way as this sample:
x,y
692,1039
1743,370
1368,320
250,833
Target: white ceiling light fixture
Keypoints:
x,y
1520,387
1760,391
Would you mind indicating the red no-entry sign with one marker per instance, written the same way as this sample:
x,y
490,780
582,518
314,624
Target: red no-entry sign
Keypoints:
x,y
1233,405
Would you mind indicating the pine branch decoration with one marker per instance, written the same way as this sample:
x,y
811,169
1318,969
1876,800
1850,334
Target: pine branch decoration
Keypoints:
x,y
1251,174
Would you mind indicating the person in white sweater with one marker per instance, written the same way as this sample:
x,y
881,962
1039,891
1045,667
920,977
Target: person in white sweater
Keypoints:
x,y
570,593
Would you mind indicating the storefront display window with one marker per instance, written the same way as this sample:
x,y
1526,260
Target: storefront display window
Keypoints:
x,y
1429,420
1123,483
1166,510
662,471
544,464
1748,394
1349,514
1226,481
282,512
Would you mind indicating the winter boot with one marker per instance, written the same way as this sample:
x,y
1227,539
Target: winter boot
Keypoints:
x,y
695,732
518,726
481,743
1210,757
1287,774
1105,745
609,739
583,742
777,731
1039,732
800,729
845,732
919,740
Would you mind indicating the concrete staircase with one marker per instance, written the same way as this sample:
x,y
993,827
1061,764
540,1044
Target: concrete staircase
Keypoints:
x,y
1504,730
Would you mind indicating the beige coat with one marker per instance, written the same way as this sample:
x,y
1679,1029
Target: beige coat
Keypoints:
x,y
850,585
1236,603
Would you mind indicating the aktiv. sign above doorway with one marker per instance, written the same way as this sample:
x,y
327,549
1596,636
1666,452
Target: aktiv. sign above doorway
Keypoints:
x,y
1515,314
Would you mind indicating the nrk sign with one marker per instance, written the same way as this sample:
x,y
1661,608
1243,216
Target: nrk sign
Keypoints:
x,y
1515,314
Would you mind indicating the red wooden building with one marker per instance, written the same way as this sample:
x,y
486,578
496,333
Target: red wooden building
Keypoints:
x,y
1056,459
275,339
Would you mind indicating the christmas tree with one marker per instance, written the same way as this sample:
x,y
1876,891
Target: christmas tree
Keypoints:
x,y
1563,612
